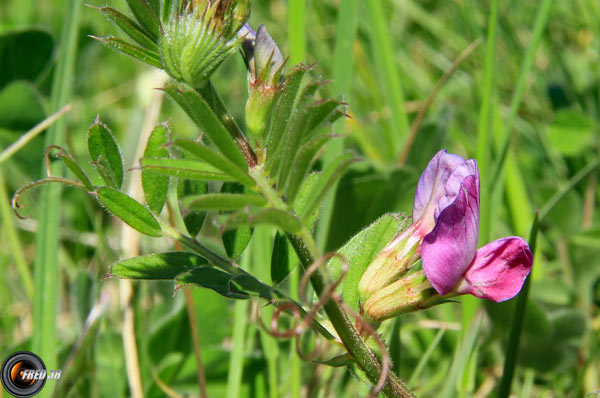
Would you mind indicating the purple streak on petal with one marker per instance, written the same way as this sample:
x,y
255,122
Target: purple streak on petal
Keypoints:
x,y
448,250
432,184
499,269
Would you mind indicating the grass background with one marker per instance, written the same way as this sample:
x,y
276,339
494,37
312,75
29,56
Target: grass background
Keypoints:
x,y
535,78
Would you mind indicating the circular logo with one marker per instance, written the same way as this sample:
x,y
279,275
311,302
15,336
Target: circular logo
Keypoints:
x,y
23,374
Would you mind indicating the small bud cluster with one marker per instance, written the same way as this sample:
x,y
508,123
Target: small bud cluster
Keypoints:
x,y
199,36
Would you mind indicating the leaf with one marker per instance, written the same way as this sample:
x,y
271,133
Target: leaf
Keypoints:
x,y
21,107
156,266
326,181
251,286
129,210
216,160
339,361
193,220
211,278
235,240
363,196
130,27
283,258
156,186
184,169
72,164
317,113
223,201
146,16
302,164
572,132
150,57
276,217
105,154
306,121
360,251
25,55
285,106
201,113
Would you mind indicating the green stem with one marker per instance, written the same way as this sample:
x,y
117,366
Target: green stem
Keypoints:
x,y
344,326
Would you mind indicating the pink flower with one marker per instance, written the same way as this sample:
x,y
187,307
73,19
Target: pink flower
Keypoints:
x,y
447,197
444,234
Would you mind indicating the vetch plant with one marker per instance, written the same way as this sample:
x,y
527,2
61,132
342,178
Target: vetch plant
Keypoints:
x,y
265,175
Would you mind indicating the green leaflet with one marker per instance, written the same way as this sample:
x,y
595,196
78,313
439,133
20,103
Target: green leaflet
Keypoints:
x,y
156,266
155,185
216,160
302,163
184,169
193,220
145,13
129,210
105,154
280,258
325,181
235,240
130,27
360,252
201,113
223,201
285,107
304,124
276,217
212,278
142,54
72,164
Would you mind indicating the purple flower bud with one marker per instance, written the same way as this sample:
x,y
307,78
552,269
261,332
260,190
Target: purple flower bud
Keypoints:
x,y
498,270
264,62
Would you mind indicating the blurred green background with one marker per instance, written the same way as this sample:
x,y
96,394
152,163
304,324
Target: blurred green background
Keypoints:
x,y
385,57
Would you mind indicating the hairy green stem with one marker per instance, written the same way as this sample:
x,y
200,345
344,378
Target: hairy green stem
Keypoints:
x,y
344,326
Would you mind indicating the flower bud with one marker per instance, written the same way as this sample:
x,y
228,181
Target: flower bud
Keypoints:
x,y
408,294
265,68
199,36
394,260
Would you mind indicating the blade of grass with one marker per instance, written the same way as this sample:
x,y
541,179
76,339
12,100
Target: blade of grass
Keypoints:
x,y
297,38
343,61
484,141
236,358
425,357
46,269
260,250
297,30
507,134
512,348
31,134
383,53
461,357
13,240
414,128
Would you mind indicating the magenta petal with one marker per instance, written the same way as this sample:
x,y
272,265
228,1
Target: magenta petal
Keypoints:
x,y
448,250
498,270
439,185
